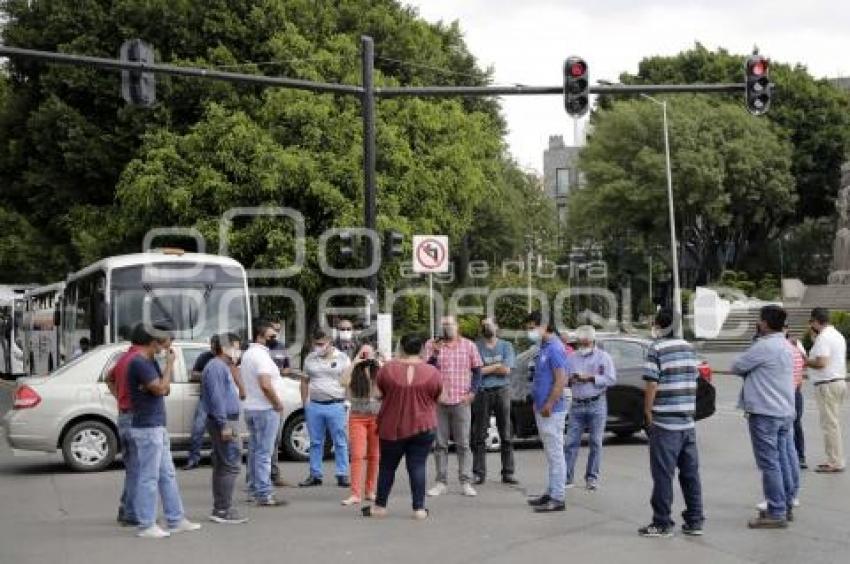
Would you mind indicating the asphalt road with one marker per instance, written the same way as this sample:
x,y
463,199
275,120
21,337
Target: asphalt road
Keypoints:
x,y
51,515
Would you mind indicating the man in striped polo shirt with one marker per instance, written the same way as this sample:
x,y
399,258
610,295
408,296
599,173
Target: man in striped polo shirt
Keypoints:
x,y
671,373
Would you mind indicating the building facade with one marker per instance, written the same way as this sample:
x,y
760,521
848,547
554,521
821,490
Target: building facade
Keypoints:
x,y
560,173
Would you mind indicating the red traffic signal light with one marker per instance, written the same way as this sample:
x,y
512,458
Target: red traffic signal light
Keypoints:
x,y
576,87
759,88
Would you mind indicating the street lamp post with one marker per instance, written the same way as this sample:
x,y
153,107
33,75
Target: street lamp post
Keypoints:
x,y
678,324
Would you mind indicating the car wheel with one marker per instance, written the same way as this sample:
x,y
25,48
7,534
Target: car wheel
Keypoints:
x,y
493,442
296,439
89,446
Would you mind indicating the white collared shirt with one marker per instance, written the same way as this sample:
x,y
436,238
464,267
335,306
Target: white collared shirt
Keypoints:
x,y
831,344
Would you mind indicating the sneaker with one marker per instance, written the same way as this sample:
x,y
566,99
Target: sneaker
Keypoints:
x,y
343,482
439,489
478,480
271,501
592,486
228,517
351,500
539,501
191,465
153,532
795,502
762,505
371,496
655,531
803,464
310,482
184,526
766,522
569,485
551,506
692,530
510,480
281,483
468,490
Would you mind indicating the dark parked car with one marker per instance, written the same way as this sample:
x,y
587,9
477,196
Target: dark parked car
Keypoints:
x,y
625,399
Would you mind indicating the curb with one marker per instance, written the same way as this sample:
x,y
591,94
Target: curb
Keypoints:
x,y
11,384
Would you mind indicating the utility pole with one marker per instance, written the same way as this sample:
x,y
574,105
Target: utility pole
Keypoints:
x,y
367,97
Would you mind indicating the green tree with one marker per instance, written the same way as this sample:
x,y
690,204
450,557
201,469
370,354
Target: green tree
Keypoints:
x,y
96,174
731,180
814,114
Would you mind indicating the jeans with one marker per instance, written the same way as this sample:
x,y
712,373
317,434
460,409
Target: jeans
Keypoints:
x,y
262,426
669,450
156,475
590,417
830,397
276,451
199,426
322,418
799,438
415,451
770,438
792,481
126,510
489,400
453,422
365,447
226,461
551,431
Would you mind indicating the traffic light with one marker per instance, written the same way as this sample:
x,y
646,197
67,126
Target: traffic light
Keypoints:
x,y
346,245
138,88
393,244
576,87
759,87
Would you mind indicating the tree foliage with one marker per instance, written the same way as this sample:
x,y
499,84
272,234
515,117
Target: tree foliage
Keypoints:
x,y
813,113
95,174
731,180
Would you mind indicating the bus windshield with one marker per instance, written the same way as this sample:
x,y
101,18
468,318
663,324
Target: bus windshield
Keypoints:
x,y
195,301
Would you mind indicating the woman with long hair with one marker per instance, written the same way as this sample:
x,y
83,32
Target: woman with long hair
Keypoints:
x,y
363,424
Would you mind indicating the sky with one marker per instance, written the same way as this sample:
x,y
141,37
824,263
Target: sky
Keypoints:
x,y
526,42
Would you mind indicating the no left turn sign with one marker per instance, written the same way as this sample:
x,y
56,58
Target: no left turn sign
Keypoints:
x,y
430,254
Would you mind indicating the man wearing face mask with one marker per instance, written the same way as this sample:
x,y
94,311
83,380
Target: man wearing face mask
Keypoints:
x,y
323,396
593,373
262,408
220,399
550,408
459,364
493,396
148,386
345,341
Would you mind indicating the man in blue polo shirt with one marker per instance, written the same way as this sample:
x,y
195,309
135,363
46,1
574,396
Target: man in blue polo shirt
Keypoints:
x,y
671,373
550,408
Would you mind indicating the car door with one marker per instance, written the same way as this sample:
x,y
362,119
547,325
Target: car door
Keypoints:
x,y
190,354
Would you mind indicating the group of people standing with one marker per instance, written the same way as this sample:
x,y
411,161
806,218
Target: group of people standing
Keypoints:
x,y
445,390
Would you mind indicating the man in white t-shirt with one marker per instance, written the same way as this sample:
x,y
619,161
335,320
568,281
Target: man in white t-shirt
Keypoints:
x,y
262,408
828,371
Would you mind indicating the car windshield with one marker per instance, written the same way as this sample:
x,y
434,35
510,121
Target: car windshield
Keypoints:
x,y
625,354
196,302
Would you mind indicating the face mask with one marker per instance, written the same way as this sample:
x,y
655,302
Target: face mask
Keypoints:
x,y
585,351
233,354
533,335
271,343
160,356
346,334
488,333
320,350
449,332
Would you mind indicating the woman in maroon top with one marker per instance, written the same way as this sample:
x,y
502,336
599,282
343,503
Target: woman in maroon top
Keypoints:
x,y
406,423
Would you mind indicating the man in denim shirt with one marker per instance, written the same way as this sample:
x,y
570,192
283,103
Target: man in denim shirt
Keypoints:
x,y
768,400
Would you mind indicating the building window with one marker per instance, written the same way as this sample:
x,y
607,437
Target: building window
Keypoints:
x,y
562,182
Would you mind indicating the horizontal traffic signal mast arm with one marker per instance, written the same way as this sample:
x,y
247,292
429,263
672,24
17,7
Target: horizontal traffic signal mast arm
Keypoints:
x,y
382,92
116,64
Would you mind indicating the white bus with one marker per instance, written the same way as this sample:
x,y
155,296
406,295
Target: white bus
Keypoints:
x,y
197,295
11,334
41,323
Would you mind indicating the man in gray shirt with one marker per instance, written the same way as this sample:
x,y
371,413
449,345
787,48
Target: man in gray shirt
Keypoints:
x,y
768,400
323,396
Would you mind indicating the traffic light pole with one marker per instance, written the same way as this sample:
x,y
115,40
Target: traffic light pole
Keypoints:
x,y
370,208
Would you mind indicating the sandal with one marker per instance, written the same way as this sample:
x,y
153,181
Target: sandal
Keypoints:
x,y
827,469
353,500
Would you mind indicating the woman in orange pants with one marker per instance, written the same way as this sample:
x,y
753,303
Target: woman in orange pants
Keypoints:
x,y
364,445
